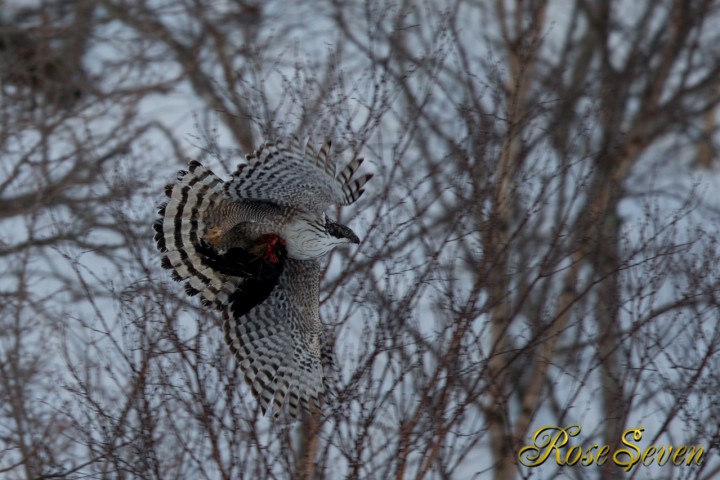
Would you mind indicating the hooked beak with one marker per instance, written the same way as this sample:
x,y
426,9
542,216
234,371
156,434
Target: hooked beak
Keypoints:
x,y
341,231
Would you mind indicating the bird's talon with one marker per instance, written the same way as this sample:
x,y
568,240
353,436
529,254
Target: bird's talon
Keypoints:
x,y
213,235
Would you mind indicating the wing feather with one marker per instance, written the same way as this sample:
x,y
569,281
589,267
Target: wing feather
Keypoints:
x,y
297,177
280,344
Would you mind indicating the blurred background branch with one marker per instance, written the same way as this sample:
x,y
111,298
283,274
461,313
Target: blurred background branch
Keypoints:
x,y
540,239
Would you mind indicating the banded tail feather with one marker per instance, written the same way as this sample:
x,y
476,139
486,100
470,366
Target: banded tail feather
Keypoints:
x,y
181,233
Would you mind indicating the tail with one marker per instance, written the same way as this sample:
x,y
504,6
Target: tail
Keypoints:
x,y
179,232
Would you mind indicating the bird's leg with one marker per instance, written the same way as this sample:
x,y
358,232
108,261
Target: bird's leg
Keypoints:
x,y
271,241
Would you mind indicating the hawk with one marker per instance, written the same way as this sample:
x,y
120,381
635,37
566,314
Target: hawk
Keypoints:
x,y
250,246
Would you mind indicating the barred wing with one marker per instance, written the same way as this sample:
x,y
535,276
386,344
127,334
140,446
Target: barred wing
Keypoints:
x,y
297,177
280,344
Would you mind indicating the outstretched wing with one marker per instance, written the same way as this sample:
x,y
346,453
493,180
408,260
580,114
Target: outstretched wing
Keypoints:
x,y
280,344
297,177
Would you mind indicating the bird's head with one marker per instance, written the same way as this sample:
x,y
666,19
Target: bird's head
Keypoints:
x,y
314,237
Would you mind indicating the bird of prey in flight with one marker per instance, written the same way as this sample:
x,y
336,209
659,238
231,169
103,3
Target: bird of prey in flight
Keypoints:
x,y
250,246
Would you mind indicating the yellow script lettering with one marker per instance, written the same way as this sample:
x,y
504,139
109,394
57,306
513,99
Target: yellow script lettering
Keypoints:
x,y
691,454
587,459
555,440
546,440
602,455
680,452
569,459
632,458
647,457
